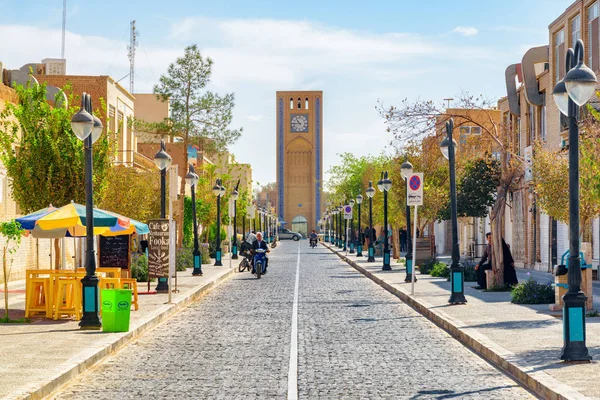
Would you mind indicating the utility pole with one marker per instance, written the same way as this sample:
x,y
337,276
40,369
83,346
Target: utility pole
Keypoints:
x,y
131,55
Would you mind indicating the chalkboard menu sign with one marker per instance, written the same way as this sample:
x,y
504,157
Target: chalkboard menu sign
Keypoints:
x,y
114,251
158,248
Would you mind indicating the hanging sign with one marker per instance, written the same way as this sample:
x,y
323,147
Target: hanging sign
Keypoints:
x,y
414,186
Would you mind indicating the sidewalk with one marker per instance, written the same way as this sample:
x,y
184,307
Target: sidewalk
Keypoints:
x,y
523,340
39,357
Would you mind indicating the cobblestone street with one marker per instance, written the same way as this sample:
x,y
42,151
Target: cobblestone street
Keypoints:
x,y
355,340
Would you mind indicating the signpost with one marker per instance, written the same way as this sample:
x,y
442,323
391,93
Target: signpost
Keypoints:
x,y
414,188
348,216
158,249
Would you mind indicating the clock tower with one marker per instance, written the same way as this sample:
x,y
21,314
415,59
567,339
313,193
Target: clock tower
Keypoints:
x,y
299,159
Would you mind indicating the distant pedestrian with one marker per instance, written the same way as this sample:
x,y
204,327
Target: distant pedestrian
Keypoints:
x,y
403,239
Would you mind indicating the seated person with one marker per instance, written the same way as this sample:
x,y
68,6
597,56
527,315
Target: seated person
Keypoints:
x,y
483,266
259,243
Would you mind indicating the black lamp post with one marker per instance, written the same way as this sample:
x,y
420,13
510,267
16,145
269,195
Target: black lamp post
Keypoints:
x,y
352,227
359,200
569,94
406,170
254,218
370,193
88,129
163,162
218,191
332,235
345,237
234,246
384,185
192,179
340,225
457,273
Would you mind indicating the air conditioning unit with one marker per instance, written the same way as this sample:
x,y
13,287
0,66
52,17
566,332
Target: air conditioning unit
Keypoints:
x,y
55,66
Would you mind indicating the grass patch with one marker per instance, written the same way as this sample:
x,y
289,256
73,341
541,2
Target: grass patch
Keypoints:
x,y
6,320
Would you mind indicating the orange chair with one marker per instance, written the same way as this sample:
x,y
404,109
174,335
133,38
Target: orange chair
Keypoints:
x,y
131,284
39,298
68,297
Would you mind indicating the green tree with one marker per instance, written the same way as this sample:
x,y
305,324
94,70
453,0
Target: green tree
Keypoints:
x,y
132,193
43,158
197,115
11,231
476,189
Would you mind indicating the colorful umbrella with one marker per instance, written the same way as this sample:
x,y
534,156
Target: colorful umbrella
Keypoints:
x,y
28,221
73,215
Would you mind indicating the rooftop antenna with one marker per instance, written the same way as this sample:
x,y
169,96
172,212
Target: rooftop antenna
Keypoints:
x,y
448,100
132,45
64,26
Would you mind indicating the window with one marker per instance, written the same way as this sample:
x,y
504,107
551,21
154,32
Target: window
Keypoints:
x,y
564,122
306,103
543,118
299,103
531,125
593,34
575,30
111,117
559,55
291,103
469,130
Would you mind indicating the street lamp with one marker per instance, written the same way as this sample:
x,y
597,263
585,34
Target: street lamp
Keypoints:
x,y
370,193
352,226
88,129
234,246
192,180
333,226
340,216
163,161
218,190
384,185
406,170
359,200
457,273
569,94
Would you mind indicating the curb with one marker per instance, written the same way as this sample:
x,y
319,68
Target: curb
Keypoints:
x,y
90,357
539,383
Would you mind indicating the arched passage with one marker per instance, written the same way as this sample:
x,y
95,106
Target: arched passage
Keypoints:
x,y
300,225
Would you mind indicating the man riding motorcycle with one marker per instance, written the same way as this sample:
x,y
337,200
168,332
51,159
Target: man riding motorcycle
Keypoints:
x,y
259,243
313,238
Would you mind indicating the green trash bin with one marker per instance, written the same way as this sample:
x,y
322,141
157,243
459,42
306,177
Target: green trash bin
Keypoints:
x,y
116,310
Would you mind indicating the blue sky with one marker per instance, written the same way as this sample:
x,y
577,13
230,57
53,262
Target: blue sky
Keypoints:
x,y
355,51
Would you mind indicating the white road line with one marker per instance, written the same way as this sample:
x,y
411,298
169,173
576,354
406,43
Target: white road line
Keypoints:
x,y
293,370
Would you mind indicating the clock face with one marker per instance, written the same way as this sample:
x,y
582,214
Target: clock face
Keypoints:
x,y
299,123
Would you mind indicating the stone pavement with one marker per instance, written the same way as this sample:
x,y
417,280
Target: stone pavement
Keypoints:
x,y
524,340
354,341
38,358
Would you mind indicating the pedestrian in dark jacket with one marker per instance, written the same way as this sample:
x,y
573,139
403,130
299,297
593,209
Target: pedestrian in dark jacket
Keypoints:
x,y
485,263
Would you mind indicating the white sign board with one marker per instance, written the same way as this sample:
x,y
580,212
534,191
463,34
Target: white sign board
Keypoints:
x,y
528,156
250,211
231,208
414,186
347,212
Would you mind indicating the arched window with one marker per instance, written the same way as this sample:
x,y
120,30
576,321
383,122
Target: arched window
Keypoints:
x,y
299,103
291,103
306,103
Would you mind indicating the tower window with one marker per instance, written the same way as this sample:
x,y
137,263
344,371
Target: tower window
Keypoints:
x,y
291,103
299,103
306,103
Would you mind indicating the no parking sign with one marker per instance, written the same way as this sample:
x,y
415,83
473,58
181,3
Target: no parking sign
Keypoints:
x,y
414,186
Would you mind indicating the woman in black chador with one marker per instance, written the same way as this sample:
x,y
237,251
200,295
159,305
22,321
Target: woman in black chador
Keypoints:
x,y
510,275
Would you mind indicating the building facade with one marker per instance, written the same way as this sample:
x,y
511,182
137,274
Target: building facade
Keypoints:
x,y
299,133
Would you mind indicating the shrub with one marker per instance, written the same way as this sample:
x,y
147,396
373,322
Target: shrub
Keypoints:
x,y
440,270
184,258
205,253
470,273
426,267
532,292
139,267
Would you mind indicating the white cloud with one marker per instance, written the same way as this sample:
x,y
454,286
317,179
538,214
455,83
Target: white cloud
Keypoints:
x,y
466,30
